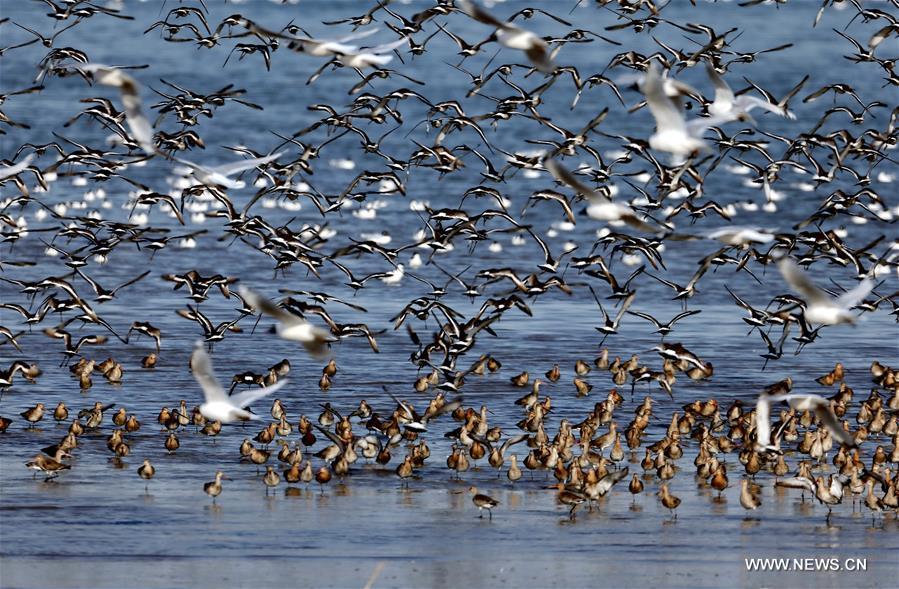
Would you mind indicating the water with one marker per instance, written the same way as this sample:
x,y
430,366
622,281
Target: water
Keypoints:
x,y
97,527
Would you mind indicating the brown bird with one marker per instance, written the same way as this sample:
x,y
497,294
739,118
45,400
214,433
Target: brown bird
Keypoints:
x,y
48,465
146,471
214,488
635,487
34,414
483,502
668,500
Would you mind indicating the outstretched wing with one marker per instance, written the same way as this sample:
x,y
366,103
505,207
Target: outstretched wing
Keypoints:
x,y
201,366
799,281
247,397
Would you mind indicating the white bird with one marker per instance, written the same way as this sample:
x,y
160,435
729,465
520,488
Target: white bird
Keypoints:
x,y
732,107
219,406
290,326
370,56
513,36
348,55
219,175
741,236
799,402
394,277
820,306
673,133
138,124
599,207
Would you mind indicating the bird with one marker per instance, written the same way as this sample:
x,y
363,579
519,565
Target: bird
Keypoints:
x,y
801,402
214,488
146,471
513,36
749,500
599,206
291,327
218,406
674,134
482,502
821,307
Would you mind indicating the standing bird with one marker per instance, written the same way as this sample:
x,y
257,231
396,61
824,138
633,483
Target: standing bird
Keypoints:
x,y
34,414
214,488
483,502
271,479
146,471
635,487
668,500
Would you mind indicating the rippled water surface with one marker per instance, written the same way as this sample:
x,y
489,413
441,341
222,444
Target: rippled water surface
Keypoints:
x,y
96,526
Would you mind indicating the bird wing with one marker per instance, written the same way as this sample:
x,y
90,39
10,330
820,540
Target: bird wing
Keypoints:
x,y
666,114
476,12
799,281
245,398
10,171
853,297
796,483
723,93
387,47
763,421
747,103
822,409
201,366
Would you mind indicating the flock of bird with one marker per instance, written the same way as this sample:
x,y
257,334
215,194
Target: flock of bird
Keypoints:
x,y
645,199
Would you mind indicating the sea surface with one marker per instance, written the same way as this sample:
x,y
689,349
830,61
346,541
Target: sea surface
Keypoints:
x,y
96,526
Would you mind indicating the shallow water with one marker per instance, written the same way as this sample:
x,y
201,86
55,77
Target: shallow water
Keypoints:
x,y
97,527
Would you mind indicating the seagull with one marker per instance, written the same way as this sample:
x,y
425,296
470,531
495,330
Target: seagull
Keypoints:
x,y
799,402
219,406
736,108
599,207
821,307
219,175
513,36
348,55
138,124
290,326
741,236
673,133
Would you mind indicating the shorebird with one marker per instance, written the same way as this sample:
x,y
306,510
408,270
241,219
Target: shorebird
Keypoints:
x,y
214,488
51,466
668,500
482,502
146,471
34,414
218,406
